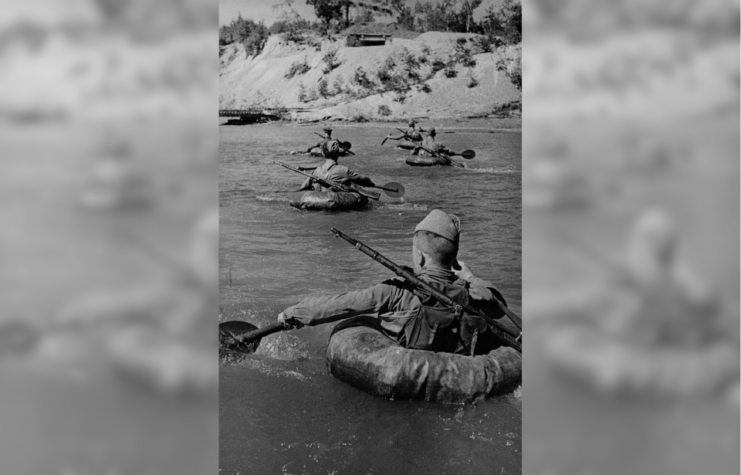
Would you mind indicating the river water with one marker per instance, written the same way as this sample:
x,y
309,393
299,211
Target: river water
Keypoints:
x,y
280,409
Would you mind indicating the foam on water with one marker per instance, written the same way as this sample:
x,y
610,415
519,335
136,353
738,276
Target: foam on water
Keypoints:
x,y
273,198
493,170
405,206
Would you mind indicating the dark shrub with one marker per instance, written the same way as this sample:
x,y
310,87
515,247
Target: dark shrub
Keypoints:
x,y
360,77
323,89
331,61
297,69
437,65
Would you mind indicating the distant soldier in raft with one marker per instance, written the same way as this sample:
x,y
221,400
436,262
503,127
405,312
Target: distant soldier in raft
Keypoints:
x,y
331,171
412,137
318,197
322,148
430,143
408,316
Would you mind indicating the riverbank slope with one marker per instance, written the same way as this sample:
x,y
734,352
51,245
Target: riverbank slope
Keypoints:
x,y
435,75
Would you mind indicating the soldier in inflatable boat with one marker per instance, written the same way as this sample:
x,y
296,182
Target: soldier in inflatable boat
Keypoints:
x,y
321,145
411,136
334,173
412,318
430,143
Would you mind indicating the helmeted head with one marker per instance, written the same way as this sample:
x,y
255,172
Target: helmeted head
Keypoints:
x,y
331,149
432,132
436,240
327,130
412,123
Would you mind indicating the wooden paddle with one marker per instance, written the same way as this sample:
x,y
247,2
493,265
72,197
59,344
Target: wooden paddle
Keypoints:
x,y
406,135
243,337
392,189
467,154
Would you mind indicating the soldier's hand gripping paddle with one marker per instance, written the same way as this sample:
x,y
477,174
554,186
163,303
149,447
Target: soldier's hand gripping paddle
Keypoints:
x,y
392,189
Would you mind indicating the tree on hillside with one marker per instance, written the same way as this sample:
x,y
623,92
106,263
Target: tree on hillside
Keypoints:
x,y
505,21
392,8
252,35
290,22
466,13
365,16
332,12
447,15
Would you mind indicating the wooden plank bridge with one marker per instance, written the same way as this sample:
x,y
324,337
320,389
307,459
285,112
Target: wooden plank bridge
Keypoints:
x,y
250,115
259,115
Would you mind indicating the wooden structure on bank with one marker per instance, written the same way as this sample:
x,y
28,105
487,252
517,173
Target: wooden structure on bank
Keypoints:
x,y
367,39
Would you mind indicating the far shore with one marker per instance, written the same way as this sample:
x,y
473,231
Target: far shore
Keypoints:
x,y
487,124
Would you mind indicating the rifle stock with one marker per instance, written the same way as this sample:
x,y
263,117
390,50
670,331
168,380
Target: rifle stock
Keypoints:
x,y
502,332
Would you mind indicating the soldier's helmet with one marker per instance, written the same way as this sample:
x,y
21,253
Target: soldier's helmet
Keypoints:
x,y
331,149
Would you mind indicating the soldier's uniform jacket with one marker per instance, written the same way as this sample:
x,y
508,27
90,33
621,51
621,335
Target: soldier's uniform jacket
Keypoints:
x,y
413,134
336,174
431,144
412,318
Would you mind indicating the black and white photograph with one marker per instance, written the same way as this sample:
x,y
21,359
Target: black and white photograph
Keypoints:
x,y
370,237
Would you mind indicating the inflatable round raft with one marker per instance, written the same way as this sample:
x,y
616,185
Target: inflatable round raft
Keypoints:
x,y
365,358
610,366
406,145
317,152
329,201
422,161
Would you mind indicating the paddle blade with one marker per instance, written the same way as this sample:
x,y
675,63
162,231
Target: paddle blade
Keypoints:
x,y
468,154
370,194
229,333
389,187
346,145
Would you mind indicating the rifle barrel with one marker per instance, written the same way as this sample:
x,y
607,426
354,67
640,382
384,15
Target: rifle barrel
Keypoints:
x,y
332,186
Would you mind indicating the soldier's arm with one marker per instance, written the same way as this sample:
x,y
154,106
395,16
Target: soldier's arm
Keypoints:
x,y
482,294
307,185
443,149
313,147
325,309
359,179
